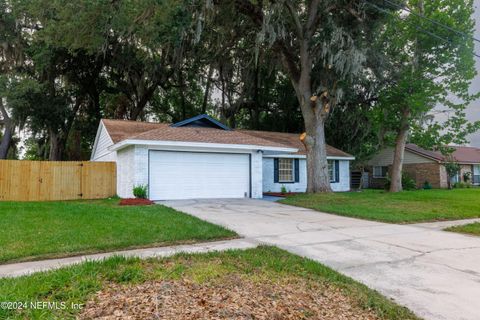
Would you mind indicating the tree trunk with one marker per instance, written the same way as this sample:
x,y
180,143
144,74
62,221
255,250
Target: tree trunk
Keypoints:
x,y
6,139
402,133
207,90
318,179
56,147
315,111
6,142
141,101
397,166
400,142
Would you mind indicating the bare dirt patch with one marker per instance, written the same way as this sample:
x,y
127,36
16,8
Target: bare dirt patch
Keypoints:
x,y
231,297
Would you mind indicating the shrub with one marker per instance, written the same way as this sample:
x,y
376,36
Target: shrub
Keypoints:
x,y
284,189
140,191
467,177
407,183
462,185
427,185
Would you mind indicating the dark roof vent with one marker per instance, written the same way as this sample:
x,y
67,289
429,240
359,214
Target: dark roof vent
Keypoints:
x,y
203,121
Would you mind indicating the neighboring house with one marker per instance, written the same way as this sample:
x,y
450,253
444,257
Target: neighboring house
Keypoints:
x,y
424,165
202,158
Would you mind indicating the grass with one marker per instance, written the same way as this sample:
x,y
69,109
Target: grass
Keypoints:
x,y
471,228
78,283
38,230
403,207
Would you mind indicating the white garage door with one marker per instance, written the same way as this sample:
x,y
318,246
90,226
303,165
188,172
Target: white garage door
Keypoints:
x,y
195,175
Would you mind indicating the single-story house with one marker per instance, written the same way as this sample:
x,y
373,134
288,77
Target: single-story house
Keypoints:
x,y
202,158
425,166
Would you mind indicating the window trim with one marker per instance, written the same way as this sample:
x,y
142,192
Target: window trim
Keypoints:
x,y
381,169
332,165
292,161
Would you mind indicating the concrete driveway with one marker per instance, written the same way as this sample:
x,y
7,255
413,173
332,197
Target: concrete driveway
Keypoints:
x,y
434,273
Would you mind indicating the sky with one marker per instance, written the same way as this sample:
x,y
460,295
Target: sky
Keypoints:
x,y
473,111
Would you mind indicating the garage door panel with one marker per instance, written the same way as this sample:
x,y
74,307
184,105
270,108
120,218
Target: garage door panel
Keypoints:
x,y
190,175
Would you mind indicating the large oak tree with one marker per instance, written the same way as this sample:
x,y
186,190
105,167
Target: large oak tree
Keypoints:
x,y
319,44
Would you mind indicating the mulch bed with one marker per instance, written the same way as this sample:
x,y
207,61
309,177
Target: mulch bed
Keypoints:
x,y
279,194
135,202
231,297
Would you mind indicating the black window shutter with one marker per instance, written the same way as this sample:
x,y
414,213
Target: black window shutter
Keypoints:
x,y
275,170
337,171
297,170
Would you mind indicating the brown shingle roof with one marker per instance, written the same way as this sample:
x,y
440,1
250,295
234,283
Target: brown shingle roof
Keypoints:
x,y
467,154
461,154
207,135
123,129
293,140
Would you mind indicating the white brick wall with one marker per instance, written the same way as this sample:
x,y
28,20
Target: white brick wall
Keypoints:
x,y
125,172
301,186
257,175
132,170
141,165
344,183
270,186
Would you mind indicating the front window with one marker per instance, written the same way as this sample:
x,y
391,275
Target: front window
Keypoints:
x,y
380,172
331,170
285,170
476,174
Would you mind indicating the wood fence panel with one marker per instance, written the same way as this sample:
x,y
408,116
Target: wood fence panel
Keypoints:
x,y
99,180
56,180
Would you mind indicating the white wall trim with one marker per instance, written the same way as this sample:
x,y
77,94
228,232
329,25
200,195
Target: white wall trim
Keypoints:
x,y
302,156
183,144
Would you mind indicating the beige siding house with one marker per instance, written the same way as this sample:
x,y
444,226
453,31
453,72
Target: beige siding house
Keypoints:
x,y
424,166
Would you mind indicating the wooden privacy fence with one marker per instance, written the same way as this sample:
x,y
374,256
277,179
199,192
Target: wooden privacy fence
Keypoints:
x,y
56,180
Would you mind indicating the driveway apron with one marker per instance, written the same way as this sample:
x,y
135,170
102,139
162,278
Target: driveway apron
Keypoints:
x,y
434,273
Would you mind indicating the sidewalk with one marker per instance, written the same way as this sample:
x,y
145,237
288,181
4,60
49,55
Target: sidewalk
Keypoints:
x,y
24,268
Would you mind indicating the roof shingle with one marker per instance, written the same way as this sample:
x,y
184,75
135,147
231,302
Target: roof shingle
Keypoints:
x,y
120,130
464,155
293,140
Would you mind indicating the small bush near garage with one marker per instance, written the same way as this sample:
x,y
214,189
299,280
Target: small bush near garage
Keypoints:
x,y
140,192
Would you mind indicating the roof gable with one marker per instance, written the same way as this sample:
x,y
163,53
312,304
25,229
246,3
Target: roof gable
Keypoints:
x,y
124,129
433,155
201,121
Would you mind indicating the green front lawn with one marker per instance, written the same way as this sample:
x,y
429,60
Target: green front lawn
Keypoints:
x,y
472,228
232,284
403,207
38,230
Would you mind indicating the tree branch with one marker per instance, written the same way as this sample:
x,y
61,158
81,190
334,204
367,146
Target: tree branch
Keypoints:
x,y
250,10
296,19
313,18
